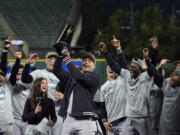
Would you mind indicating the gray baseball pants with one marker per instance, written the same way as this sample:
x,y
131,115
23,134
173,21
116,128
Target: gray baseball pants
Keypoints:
x,y
72,126
141,126
123,128
57,127
19,127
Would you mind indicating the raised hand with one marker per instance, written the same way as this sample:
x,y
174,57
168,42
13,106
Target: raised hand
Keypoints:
x,y
18,55
116,43
145,53
7,45
163,62
102,47
65,52
32,58
144,67
154,42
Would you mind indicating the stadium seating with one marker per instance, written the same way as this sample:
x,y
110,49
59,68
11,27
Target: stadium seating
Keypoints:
x,y
38,22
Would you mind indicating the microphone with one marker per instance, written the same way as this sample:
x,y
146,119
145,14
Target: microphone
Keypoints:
x,y
39,100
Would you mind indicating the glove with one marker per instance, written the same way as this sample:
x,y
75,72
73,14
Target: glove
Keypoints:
x,y
59,47
65,52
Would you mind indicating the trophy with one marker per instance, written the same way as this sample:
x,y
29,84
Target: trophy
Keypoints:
x,y
64,39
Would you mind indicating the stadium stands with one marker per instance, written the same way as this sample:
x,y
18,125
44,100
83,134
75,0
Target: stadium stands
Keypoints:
x,y
38,22
2,31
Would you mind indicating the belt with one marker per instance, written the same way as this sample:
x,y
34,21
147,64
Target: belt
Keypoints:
x,y
116,122
85,118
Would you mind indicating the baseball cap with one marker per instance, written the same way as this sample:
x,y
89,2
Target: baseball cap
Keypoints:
x,y
177,70
51,54
138,61
2,72
90,56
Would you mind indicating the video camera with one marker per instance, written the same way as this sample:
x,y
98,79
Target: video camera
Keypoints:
x,y
64,39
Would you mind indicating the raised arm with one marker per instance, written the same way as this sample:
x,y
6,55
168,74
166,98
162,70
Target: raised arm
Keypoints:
x,y
120,55
7,45
26,77
88,79
114,66
153,50
59,71
15,68
153,72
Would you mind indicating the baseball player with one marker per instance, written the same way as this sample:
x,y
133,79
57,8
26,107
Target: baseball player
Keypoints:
x,y
169,121
139,84
6,116
155,96
114,92
80,86
20,93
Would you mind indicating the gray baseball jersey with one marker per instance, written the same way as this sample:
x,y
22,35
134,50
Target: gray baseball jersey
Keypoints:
x,y
171,107
155,106
113,93
20,93
52,83
138,93
6,115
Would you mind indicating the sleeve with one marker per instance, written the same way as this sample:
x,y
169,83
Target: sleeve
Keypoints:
x,y
60,87
28,113
88,79
154,56
4,62
103,112
59,71
26,77
114,66
122,59
14,72
52,112
153,72
100,99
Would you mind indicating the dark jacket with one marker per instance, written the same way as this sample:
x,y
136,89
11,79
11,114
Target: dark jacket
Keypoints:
x,y
48,109
83,85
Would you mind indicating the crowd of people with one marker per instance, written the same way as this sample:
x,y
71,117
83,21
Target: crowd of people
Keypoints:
x,y
135,100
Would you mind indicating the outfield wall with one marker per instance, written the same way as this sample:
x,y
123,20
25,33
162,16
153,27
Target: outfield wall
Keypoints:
x,y
40,64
